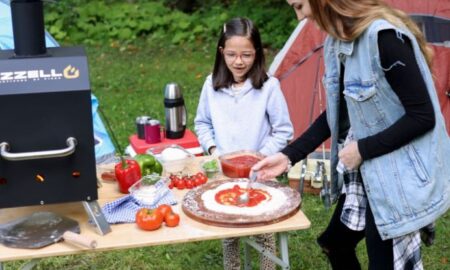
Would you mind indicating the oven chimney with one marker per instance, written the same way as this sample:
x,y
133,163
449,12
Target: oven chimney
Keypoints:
x,y
28,27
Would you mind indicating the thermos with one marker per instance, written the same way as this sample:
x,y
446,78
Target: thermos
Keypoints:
x,y
175,111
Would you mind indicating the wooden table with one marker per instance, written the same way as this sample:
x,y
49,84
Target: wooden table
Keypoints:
x,y
125,236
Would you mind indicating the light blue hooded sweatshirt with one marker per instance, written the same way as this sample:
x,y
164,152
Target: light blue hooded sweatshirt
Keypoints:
x,y
243,119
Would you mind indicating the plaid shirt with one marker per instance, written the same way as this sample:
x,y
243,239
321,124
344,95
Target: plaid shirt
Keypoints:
x,y
406,248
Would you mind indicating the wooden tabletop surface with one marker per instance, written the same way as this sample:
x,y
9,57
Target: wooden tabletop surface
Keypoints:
x,y
129,235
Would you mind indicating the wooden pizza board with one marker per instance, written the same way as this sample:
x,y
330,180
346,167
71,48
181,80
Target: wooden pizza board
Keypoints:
x,y
193,206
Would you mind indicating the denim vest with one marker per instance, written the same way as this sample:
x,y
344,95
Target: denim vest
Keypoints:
x,y
409,187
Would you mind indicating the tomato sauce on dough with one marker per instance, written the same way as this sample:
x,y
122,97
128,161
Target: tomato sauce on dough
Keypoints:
x,y
230,196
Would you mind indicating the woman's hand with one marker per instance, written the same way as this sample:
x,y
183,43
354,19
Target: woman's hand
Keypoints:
x,y
350,156
271,166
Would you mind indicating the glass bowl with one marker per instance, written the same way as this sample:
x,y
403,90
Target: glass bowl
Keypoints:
x,y
173,158
238,164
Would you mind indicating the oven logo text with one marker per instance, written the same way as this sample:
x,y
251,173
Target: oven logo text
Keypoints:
x,y
69,72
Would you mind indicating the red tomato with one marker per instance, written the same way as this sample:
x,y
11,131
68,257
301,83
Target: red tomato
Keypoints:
x,y
198,181
189,184
172,219
149,219
164,209
204,179
174,179
180,184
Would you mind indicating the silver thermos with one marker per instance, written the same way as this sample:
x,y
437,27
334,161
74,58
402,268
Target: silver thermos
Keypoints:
x,y
176,114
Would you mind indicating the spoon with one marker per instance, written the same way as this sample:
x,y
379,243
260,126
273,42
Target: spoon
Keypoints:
x,y
244,198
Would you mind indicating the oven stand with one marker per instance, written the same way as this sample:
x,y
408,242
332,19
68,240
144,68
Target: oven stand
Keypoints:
x,y
96,216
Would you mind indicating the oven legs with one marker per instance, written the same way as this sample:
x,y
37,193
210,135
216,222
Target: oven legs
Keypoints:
x,y
96,216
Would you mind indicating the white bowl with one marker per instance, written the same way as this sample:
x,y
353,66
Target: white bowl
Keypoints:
x,y
173,158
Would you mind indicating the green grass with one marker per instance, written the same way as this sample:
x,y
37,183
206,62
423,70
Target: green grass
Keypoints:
x,y
129,82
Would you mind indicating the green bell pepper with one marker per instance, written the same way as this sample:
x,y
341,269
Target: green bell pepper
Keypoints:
x,y
148,164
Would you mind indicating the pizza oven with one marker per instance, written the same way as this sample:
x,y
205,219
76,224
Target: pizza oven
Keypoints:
x,y
46,136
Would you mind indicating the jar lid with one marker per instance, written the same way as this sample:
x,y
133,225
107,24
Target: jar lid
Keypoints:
x,y
152,122
142,119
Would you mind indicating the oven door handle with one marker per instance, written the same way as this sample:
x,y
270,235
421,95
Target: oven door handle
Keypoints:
x,y
70,149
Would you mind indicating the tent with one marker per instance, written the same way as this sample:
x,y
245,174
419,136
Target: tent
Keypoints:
x,y
299,65
6,34
104,148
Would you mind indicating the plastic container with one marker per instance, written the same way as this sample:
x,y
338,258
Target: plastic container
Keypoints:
x,y
238,164
146,189
173,158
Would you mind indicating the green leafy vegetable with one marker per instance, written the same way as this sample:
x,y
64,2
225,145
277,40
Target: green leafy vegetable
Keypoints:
x,y
211,165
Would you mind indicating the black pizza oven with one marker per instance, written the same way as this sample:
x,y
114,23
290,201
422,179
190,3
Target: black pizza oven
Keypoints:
x,y
46,134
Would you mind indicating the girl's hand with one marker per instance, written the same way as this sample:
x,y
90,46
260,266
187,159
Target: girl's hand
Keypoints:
x,y
350,156
271,166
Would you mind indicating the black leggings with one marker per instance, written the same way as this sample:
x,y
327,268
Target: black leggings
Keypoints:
x,y
339,242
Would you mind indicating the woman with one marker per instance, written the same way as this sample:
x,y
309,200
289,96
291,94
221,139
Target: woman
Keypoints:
x,y
382,102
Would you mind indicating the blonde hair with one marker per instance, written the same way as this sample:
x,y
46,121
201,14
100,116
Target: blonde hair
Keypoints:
x,y
348,19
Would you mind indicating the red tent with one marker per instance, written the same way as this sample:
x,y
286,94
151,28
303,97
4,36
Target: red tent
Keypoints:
x,y
299,65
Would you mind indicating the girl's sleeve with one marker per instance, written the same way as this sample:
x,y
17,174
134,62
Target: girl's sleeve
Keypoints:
x,y
203,123
282,130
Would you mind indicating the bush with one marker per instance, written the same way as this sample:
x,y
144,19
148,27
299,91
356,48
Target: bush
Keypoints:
x,y
108,22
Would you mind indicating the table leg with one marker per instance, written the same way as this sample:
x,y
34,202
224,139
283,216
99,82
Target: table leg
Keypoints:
x,y
30,265
247,260
284,249
283,262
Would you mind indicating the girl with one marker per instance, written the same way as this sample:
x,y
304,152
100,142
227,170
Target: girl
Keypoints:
x,y
381,96
242,108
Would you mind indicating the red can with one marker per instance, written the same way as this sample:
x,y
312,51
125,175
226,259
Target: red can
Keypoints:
x,y
152,131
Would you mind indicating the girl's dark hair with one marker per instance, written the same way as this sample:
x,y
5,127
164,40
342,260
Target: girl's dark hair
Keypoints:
x,y
222,77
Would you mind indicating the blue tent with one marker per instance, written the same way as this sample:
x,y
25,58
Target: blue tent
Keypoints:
x,y
104,148
6,33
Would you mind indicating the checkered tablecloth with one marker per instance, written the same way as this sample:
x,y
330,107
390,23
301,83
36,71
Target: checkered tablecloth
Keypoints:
x,y
123,210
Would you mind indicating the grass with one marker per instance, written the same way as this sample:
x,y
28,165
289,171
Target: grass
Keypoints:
x,y
129,81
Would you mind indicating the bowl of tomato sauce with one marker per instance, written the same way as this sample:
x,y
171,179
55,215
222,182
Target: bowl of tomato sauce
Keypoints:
x,y
238,164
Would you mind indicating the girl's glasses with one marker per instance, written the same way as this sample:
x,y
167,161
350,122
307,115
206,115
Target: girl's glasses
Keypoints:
x,y
231,56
